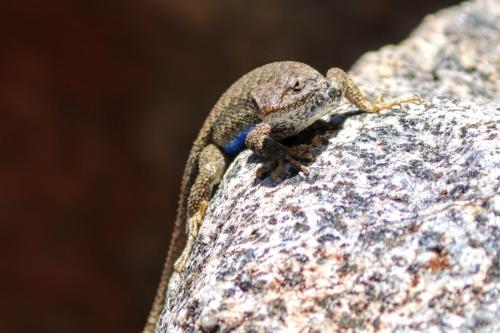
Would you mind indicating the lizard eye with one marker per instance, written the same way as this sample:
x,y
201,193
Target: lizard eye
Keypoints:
x,y
296,85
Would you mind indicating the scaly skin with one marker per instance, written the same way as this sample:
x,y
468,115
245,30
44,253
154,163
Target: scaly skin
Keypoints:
x,y
264,106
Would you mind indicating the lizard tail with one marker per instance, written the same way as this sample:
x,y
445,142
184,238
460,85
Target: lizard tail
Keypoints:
x,y
177,242
179,235
159,300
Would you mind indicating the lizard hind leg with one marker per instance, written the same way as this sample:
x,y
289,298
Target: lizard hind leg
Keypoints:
x,y
193,225
351,91
211,167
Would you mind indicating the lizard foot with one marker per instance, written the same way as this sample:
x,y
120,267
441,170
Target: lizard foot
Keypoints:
x,y
303,151
279,167
380,104
293,156
193,224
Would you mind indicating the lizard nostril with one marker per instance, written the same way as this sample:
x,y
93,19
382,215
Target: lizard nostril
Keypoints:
x,y
333,93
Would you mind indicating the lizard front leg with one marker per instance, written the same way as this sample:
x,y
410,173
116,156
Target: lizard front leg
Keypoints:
x,y
260,141
344,83
211,167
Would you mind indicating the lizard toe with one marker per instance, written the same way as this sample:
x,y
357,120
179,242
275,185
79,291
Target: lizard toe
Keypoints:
x,y
266,168
301,152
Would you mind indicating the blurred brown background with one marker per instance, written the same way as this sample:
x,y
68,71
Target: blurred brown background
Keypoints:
x,y
100,101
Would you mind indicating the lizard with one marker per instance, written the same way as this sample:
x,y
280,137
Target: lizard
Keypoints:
x,y
268,104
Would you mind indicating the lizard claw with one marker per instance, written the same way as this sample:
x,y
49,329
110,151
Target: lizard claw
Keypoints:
x,y
279,167
267,167
279,170
303,152
415,100
298,165
380,99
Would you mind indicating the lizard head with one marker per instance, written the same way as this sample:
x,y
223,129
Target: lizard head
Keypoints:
x,y
295,97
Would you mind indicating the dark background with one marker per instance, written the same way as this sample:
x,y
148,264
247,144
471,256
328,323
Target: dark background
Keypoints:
x,y
100,102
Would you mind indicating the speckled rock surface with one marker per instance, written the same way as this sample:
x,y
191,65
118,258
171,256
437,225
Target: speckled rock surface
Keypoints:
x,y
397,226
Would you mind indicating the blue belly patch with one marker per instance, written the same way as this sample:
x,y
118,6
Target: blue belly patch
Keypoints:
x,y
237,143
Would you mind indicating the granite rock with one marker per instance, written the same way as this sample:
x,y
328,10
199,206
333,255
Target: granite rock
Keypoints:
x,y
397,226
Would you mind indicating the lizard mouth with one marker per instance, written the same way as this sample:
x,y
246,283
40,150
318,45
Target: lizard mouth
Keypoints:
x,y
290,105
